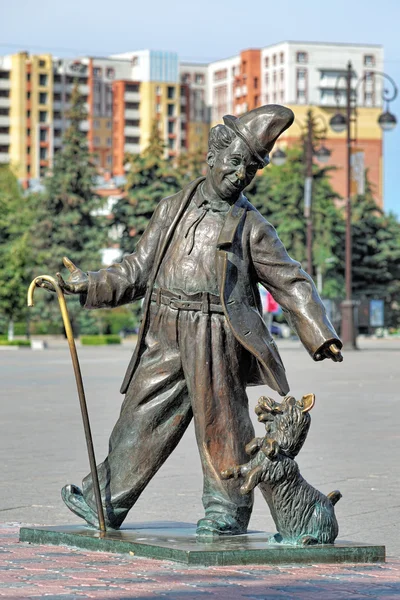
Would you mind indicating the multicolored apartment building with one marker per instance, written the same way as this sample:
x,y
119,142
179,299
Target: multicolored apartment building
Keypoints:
x,y
125,93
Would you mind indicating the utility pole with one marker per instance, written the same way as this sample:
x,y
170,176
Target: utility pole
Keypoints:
x,y
308,190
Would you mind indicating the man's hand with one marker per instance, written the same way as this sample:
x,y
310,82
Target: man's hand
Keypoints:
x,y
77,282
329,350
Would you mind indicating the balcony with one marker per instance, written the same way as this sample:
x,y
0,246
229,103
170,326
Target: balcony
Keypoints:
x,y
84,89
131,113
132,148
131,131
4,121
4,102
4,139
132,96
5,84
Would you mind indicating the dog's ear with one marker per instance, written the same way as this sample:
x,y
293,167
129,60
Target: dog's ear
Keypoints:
x,y
306,403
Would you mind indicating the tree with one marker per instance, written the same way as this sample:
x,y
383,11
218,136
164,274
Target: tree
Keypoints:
x,y
278,193
150,177
68,216
16,217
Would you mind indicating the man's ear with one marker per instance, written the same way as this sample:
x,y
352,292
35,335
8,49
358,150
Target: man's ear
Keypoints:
x,y
210,159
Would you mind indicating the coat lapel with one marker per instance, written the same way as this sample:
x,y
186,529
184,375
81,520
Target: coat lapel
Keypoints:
x,y
233,218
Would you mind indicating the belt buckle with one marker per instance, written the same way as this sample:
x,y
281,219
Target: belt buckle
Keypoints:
x,y
205,303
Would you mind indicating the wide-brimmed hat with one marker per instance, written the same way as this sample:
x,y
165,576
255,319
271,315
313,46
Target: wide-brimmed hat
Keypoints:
x,y
260,128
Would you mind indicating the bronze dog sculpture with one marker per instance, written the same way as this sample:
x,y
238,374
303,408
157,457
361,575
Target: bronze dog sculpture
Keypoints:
x,y
301,513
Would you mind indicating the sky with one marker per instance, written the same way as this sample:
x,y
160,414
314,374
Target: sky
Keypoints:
x,y
207,30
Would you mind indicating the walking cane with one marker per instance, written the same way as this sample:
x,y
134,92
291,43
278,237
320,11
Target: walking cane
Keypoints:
x,y
79,383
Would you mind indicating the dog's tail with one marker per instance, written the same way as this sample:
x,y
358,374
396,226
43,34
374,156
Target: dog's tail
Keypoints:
x,y
334,496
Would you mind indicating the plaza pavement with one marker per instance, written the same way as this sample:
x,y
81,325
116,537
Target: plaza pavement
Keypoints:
x,y
353,446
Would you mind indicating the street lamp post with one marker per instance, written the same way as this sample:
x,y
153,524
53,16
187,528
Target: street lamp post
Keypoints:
x,y
322,154
339,123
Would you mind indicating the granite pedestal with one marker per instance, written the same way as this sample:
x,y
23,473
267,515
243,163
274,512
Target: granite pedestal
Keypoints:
x,y
177,542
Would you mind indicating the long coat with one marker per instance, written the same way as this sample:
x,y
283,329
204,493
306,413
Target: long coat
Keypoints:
x,y
248,252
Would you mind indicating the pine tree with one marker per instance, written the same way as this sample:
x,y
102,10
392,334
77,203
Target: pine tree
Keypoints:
x,y
68,221
150,177
17,212
278,193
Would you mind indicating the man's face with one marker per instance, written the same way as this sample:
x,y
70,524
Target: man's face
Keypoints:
x,y
232,169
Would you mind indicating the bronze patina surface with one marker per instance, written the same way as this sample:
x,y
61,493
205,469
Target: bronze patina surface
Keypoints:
x,y
202,339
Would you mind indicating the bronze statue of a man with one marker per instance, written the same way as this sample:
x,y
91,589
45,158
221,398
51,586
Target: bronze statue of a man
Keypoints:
x,y
202,338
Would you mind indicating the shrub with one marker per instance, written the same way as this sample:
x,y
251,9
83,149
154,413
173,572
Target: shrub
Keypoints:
x,y
5,342
99,340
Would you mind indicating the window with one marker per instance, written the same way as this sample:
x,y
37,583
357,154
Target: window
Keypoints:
x,y
43,98
135,61
199,78
158,108
43,135
368,98
96,124
5,130
4,111
131,140
369,60
43,116
96,140
43,153
109,159
221,74
171,143
186,78
108,125
132,87
369,76
42,79
109,141
255,83
282,58
28,95
301,74
28,114
42,63
301,96
57,133
282,74
28,132
4,74
28,76
170,110
57,97
57,78
96,71
266,78
301,57
132,105
170,92
57,114
266,62
171,127
4,93
132,122
110,72
274,60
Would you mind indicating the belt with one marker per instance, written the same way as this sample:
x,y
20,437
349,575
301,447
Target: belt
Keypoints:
x,y
207,303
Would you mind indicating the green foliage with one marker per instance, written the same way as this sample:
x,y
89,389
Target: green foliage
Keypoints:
x,y
278,193
16,255
21,343
67,221
99,340
150,177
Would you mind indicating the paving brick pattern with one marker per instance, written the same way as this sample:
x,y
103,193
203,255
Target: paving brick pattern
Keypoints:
x,y
58,573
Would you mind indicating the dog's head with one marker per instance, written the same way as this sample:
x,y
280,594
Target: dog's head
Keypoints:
x,y
287,422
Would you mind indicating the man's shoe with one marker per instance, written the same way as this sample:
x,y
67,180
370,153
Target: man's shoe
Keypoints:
x,y
73,498
219,524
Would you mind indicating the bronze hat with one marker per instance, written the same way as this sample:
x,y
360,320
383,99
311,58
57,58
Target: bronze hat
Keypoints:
x,y
260,128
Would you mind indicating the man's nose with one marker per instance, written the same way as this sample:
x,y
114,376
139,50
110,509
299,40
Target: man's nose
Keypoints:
x,y
240,172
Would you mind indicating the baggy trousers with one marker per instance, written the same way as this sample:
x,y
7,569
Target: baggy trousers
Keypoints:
x,y
192,366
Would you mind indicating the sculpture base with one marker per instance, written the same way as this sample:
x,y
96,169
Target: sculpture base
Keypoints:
x,y
177,542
